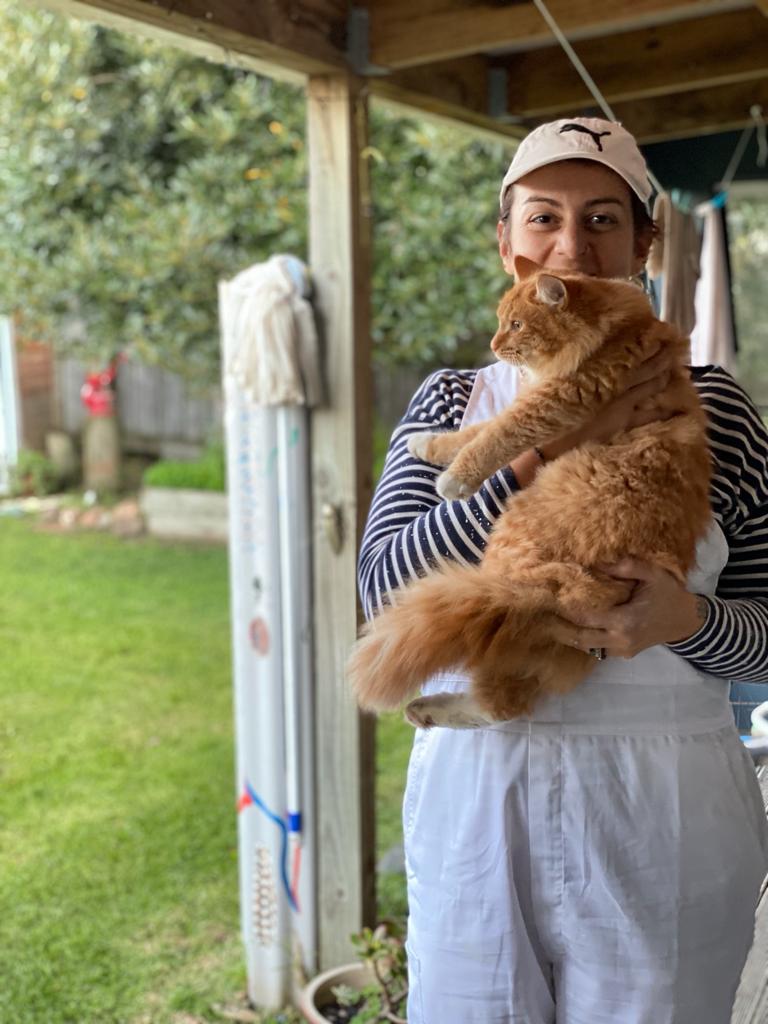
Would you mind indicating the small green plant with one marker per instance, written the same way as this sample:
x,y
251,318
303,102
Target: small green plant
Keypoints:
x,y
204,474
384,1000
33,474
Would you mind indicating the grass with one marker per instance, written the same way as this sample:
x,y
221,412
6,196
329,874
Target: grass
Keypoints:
x,y
118,872
393,745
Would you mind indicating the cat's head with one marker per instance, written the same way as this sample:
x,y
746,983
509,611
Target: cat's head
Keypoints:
x,y
550,322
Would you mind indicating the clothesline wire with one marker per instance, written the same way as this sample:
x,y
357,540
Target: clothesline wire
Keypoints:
x,y
758,126
756,111
585,75
738,153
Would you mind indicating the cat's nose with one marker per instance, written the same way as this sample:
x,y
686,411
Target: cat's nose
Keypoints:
x,y
496,341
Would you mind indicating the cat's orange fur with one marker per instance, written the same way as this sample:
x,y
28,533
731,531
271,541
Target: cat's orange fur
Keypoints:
x,y
644,494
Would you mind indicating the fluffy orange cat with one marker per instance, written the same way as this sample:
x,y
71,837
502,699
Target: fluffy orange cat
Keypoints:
x,y
643,494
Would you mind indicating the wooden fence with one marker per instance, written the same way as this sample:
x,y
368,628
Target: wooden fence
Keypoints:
x,y
160,414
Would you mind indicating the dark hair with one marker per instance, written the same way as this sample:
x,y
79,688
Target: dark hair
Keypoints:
x,y
641,219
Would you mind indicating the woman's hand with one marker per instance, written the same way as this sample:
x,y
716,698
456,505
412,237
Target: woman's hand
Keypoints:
x,y
650,378
659,611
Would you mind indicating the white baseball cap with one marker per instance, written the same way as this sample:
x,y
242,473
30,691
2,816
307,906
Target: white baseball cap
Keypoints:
x,y
581,138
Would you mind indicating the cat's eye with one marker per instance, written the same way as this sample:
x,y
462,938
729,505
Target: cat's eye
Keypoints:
x,y
515,325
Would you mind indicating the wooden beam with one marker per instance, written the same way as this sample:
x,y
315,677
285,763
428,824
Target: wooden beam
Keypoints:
x,y
711,51
409,103
452,90
404,34
340,212
260,34
460,83
700,112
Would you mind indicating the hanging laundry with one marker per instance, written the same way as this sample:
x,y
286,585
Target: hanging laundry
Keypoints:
x,y
674,263
713,339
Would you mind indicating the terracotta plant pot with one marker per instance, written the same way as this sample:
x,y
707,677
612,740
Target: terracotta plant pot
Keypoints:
x,y
319,992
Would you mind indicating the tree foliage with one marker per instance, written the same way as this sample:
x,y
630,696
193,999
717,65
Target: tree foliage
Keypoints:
x,y
134,176
749,255
436,276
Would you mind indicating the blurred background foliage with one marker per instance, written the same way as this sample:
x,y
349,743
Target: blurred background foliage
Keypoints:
x,y
748,231
133,177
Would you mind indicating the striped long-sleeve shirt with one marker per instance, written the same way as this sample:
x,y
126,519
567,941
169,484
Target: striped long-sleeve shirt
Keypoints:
x,y
410,529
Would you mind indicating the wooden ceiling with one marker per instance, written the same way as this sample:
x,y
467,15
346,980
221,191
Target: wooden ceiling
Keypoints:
x,y
669,68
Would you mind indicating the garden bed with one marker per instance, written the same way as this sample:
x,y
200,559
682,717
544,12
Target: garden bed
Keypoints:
x,y
185,513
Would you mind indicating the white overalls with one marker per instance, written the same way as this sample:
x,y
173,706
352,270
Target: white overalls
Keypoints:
x,y
596,863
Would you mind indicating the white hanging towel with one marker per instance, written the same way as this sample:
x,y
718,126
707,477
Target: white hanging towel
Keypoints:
x,y
712,340
674,262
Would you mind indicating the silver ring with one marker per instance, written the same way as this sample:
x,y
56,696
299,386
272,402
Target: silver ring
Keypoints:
x,y
598,652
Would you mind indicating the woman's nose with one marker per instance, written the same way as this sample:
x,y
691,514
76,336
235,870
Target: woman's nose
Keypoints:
x,y
571,240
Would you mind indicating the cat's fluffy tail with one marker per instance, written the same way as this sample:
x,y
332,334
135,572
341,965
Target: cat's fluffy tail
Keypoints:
x,y
447,619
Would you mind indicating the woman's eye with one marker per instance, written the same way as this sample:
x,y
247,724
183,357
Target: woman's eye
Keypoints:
x,y
541,218
515,325
600,220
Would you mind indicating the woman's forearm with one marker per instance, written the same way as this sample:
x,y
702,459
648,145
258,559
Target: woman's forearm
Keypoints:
x,y
732,641
410,530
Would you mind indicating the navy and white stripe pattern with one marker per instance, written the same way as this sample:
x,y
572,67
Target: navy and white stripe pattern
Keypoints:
x,y
410,530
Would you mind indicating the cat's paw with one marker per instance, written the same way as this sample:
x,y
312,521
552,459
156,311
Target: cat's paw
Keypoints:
x,y
419,713
419,444
452,488
450,710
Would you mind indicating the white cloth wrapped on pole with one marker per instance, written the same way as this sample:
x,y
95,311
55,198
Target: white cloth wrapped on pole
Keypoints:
x,y
276,358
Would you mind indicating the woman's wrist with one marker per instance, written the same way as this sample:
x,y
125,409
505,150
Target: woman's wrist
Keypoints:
x,y
551,450
694,614
526,466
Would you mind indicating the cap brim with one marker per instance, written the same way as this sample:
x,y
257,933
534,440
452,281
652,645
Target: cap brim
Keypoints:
x,y
559,158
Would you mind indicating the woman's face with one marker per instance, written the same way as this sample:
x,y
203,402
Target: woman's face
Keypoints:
x,y
574,216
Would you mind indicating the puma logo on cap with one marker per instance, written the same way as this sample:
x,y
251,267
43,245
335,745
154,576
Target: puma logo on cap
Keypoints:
x,y
595,136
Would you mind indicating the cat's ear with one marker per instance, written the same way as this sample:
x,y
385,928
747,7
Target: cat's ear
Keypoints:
x,y
552,291
524,268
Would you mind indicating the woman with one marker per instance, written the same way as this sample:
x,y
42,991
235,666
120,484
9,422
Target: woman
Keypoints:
x,y
600,861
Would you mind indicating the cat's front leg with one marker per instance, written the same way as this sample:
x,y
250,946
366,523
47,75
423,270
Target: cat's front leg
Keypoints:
x,y
440,448
499,443
466,473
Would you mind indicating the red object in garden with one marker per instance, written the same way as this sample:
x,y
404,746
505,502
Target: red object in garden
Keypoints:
x,y
98,392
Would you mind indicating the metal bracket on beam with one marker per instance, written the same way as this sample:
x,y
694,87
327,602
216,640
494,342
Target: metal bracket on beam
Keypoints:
x,y
498,84
358,43
498,96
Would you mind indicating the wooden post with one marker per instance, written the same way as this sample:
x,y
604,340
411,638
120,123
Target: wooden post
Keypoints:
x,y
341,469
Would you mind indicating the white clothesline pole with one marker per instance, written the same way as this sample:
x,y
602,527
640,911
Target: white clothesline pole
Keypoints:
x,y
268,355
296,580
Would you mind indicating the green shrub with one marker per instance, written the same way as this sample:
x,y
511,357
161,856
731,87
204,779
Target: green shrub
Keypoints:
x,y
204,474
33,473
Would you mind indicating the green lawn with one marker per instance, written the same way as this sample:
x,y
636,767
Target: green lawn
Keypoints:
x,y
118,889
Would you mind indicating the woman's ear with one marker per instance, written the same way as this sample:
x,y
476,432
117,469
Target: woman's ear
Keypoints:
x,y
643,242
505,251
